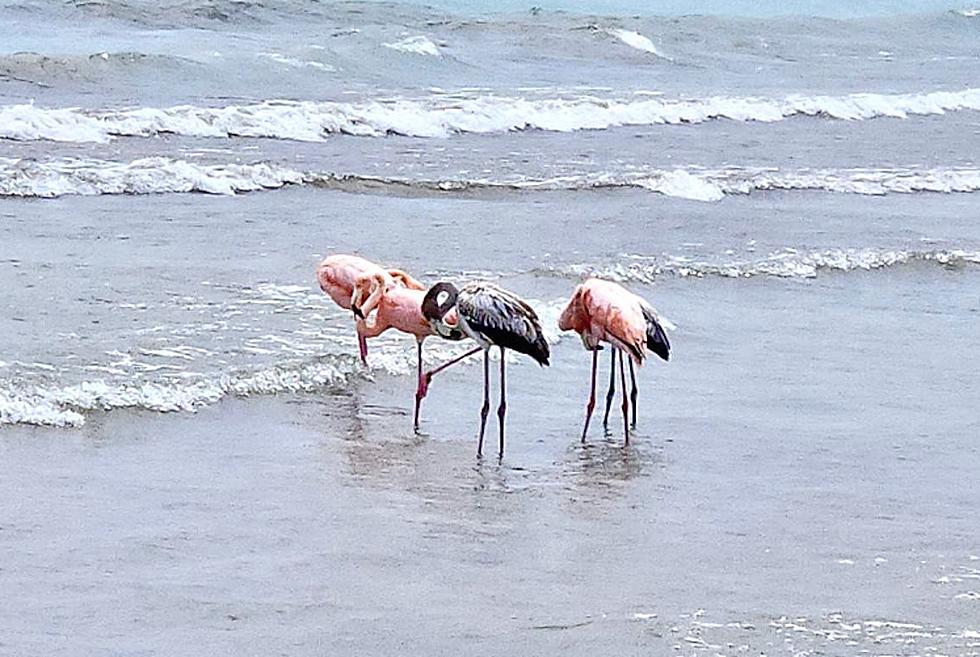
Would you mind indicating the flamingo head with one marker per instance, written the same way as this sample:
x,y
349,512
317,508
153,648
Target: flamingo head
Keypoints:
x,y
366,294
439,308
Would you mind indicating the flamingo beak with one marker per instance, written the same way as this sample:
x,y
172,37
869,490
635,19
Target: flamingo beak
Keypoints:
x,y
447,331
357,312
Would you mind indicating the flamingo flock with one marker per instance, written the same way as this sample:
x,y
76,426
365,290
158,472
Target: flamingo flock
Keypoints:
x,y
601,312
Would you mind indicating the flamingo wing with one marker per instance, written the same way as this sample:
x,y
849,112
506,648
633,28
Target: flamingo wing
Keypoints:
x,y
502,318
406,279
657,341
614,314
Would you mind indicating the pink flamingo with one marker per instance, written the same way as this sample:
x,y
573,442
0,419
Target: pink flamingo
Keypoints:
x,y
602,311
400,308
338,273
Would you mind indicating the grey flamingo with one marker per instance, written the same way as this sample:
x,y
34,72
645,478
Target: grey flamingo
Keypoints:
x,y
493,317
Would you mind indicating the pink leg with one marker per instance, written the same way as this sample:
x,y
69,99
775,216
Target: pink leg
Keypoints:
x,y
418,390
426,378
591,405
362,346
626,403
633,393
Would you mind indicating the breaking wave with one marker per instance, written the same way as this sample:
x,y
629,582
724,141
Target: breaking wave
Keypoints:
x,y
706,185
636,40
292,62
693,184
50,403
64,406
152,175
445,115
786,263
27,177
415,45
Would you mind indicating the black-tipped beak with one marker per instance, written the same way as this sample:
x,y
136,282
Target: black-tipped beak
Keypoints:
x,y
357,312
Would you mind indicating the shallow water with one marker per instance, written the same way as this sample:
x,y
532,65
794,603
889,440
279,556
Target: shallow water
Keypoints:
x,y
802,478
197,303
794,491
194,460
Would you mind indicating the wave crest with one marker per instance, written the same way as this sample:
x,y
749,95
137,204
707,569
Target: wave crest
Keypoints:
x,y
415,45
787,263
636,41
50,403
63,406
444,116
153,175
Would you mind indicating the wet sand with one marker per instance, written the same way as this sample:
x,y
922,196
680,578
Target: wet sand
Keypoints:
x,y
766,506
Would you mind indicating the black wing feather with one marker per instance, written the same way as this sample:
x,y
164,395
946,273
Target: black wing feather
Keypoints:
x,y
657,341
505,319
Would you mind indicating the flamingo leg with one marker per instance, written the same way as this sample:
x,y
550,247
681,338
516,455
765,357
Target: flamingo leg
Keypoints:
x,y
419,392
502,409
591,405
626,403
362,348
633,393
426,379
486,401
612,386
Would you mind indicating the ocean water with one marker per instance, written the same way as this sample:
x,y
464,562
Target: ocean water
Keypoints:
x,y
796,187
688,131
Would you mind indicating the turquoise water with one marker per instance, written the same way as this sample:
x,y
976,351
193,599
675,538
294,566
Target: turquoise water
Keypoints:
x,y
823,8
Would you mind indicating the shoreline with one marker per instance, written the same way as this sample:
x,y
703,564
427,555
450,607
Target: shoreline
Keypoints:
x,y
322,523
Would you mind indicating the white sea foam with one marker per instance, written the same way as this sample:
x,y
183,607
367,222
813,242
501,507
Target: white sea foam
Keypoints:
x,y
151,175
713,185
852,181
696,183
637,41
439,116
51,178
62,406
699,184
296,63
682,184
786,263
132,382
16,409
416,45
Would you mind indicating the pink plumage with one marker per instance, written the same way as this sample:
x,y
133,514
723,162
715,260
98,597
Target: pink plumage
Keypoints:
x,y
603,311
394,307
338,273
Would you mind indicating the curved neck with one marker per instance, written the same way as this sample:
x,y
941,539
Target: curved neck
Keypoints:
x,y
378,284
432,307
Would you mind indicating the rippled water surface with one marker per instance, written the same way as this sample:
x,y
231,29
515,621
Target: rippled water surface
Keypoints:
x,y
193,455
